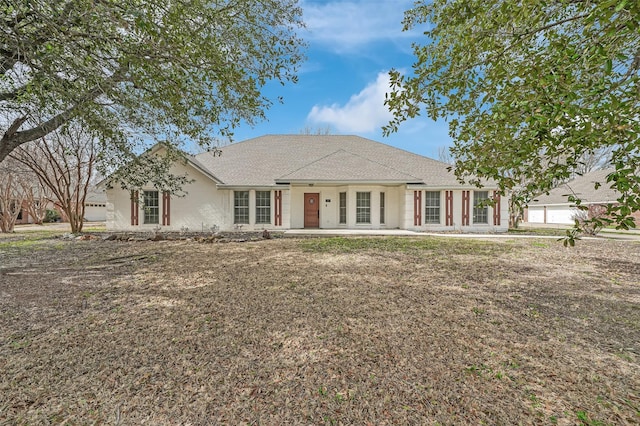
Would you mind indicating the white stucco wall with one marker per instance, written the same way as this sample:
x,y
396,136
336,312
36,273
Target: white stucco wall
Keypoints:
x,y
229,225
201,207
205,205
457,214
330,206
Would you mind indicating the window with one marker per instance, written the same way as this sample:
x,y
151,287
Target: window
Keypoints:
x,y
480,214
432,207
363,207
240,206
151,207
263,206
382,208
343,207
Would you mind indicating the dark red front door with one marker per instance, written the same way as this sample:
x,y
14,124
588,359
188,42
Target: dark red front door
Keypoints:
x,y
311,210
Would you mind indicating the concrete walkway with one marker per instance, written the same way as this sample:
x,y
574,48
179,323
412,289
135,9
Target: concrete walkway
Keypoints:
x,y
405,233
616,234
633,235
339,232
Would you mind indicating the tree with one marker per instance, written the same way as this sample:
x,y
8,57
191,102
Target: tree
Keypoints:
x,y
11,197
20,192
530,89
36,199
139,70
444,155
520,196
64,164
318,131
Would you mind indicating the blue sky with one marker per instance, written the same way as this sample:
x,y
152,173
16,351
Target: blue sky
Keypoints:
x,y
352,44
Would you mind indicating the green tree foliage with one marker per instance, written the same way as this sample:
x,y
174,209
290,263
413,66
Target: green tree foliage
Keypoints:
x,y
530,89
141,70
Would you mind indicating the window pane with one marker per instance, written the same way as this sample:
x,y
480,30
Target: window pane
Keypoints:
x,y
263,206
382,208
151,207
432,207
240,206
480,214
343,207
363,207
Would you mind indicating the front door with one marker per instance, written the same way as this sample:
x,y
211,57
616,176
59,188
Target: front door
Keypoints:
x,y
311,210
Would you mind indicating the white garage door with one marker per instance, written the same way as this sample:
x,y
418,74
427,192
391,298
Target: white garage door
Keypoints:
x,y
560,215
95,212
536,215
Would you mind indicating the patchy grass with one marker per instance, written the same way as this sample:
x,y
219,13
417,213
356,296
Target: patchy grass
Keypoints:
x,y
548,232
320,331
37,235
28,242
385,245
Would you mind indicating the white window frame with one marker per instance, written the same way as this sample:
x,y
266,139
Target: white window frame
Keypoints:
x,y
151,214
342,208
432,212
363,207
263,207
480,214
240,209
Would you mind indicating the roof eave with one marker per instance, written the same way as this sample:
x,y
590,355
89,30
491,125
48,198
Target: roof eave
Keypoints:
x,y
345,182
247,186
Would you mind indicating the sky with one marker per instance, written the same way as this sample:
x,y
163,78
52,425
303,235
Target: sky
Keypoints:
x,y
352,44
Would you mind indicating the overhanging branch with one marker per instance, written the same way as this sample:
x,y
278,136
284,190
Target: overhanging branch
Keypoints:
x,y
13,138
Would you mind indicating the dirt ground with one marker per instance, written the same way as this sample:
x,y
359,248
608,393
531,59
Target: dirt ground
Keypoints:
x,y
319,331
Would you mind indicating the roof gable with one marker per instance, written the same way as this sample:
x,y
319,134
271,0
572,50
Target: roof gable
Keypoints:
x,y
345,166
268,159
160,149
582,187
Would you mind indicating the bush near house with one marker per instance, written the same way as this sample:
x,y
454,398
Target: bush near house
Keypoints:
x,y
51,216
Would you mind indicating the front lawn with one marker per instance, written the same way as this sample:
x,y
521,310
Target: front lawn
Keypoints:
x,y
319,331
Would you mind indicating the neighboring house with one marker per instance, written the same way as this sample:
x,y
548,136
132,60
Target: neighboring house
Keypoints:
x,y
280,182
95,209
95,205
555,208
23,216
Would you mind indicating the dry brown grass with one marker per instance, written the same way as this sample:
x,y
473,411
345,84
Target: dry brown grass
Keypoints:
x,y
319,331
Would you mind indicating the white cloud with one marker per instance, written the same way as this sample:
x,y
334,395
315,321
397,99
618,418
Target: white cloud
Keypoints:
x,y
365,112
344,26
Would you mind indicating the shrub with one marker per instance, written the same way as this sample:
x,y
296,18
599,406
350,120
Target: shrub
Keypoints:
x,y
591,220
51,216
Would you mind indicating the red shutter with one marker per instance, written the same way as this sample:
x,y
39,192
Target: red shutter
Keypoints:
x,y
166,208
448,208
134,208
496,209
465,208
278,208
417,208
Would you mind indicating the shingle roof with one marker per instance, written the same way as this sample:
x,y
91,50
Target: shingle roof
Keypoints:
x,y
96,195
346,166
269,159
583,187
